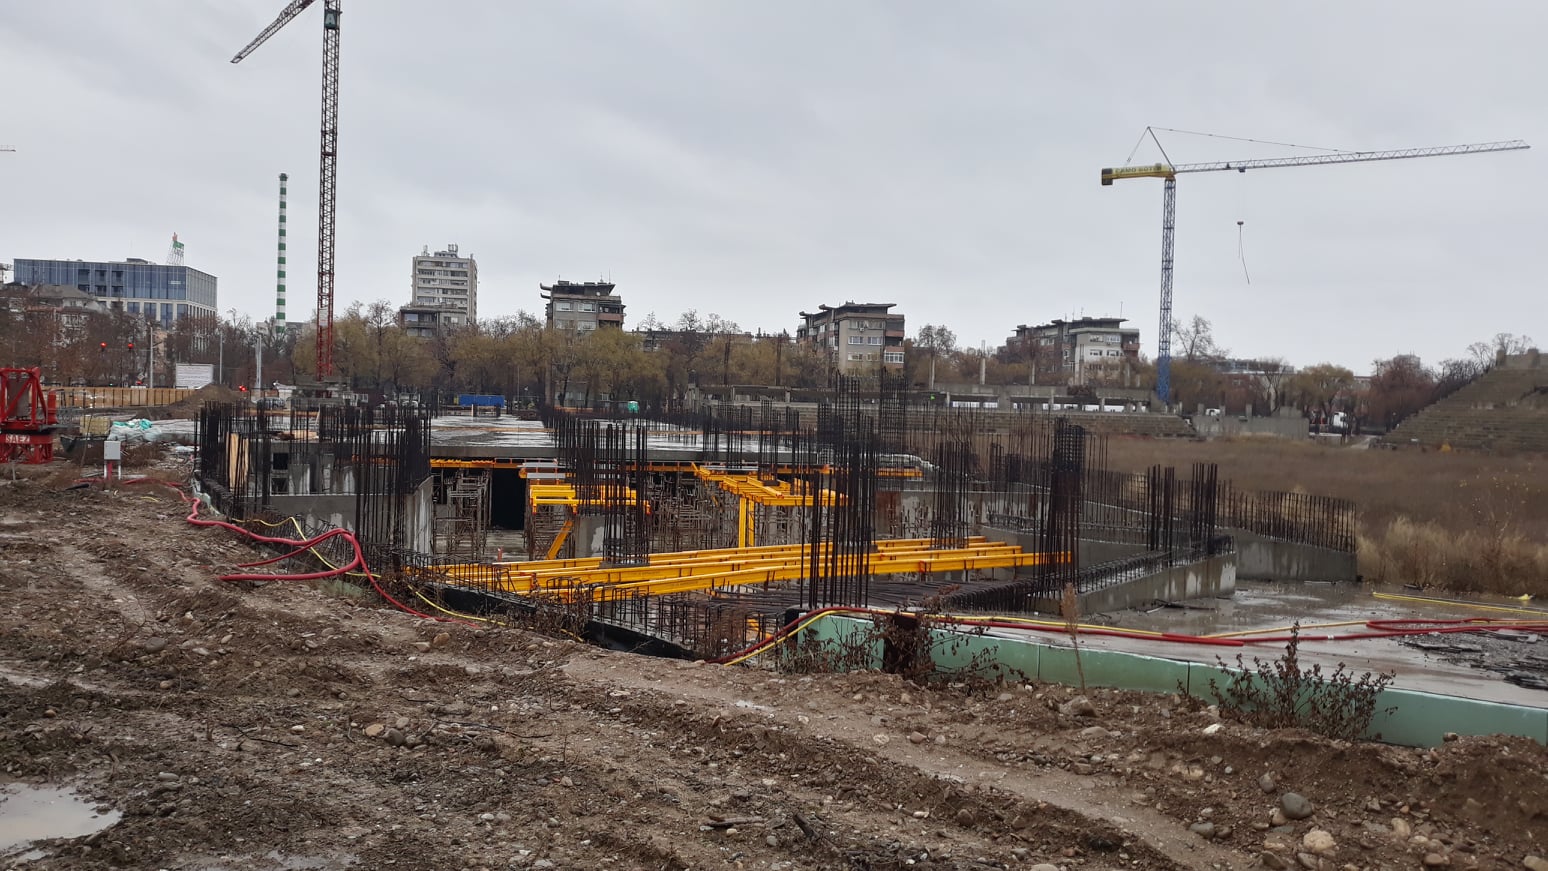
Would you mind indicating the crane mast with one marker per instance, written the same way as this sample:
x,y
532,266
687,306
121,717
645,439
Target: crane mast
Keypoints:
x,y
327,176
1168,173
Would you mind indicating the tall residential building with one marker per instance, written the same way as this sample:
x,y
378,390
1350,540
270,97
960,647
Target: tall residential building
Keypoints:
x,y
448,281
157,292
582,305
860,337
1077,351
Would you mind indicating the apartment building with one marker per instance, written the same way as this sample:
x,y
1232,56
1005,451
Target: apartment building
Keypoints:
x,y
582,305
446,281
860,338
1080,351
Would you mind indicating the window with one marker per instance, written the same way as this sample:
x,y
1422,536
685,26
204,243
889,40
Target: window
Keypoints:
x,y
873,340
588,306
1112,353
586,325
856,358
563,305
892,356
857,340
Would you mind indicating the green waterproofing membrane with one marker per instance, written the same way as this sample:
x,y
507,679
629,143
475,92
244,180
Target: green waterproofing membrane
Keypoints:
x,y
1420,719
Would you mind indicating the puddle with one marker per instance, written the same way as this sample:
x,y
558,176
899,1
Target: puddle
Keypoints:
x,y
34,813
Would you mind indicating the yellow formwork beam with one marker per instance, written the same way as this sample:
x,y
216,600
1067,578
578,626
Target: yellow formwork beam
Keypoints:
x,y
704,571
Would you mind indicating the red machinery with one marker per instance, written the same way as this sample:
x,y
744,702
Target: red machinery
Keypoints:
x,y
28,417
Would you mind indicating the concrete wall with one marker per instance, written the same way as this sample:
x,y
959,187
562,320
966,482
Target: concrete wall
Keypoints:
x,y
339,511
1266,559
1294,427
1206,579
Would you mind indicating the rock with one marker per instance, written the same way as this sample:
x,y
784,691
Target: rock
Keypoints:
x,y
1266,783
1020,854
1277,818
154,645
1295,806
441,640
396,738
1094,732
1401,829
50,713
1374,806
164,685
1205,830
422,646
1535,863
1450,736
880,738
965,818
297,729
917,738
1308,861
1080,706
1044,866
166,777
1436,860
1212,728
772,840
248,746
375,730
1272,860
1319,842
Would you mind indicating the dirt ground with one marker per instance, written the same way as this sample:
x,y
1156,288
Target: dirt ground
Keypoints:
x,y
241,727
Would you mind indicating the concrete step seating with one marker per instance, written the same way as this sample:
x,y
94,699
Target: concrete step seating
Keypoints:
x,y
1504,410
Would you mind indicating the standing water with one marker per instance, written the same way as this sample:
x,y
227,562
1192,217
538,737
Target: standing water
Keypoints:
x,y
35,813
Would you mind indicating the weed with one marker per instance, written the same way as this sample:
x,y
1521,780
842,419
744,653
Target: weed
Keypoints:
x,y
1280,694
1069,608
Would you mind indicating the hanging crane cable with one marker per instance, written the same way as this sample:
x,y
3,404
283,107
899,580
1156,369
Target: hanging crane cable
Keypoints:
x,y
1241,221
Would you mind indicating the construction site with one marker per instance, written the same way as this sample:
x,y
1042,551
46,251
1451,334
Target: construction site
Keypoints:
x,y
870,633
703,533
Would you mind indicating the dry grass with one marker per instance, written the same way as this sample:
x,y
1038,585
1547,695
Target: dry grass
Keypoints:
x,y
1465,522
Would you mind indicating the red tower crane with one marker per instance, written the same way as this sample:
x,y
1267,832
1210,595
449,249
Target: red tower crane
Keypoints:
x,y
327,175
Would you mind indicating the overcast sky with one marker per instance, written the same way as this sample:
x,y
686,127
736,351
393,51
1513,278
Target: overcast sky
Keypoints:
x,y
757,159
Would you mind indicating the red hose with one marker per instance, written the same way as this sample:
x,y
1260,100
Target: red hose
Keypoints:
x,y
299,546
1415,627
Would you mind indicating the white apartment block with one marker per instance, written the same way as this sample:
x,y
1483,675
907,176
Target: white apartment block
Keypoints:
x,y
448,281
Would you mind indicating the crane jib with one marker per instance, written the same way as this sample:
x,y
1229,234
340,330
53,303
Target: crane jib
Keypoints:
x,y
1154,170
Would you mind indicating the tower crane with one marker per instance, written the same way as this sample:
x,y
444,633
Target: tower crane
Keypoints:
x,y
327,173
1168,173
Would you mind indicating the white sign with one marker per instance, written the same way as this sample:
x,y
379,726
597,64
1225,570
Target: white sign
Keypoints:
x,y
192,376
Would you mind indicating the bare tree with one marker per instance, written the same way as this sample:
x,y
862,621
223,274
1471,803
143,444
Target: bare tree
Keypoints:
x,y
1196,341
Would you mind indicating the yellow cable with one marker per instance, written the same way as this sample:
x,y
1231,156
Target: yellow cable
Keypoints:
x,y
1433,601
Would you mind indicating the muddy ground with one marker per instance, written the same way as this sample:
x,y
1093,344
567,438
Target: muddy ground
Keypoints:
x,y
276,726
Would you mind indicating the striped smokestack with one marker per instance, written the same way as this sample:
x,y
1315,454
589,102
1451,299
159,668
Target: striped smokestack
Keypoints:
x,y
279,289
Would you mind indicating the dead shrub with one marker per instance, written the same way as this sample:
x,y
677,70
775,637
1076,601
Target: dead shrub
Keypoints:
x,y
1280,694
